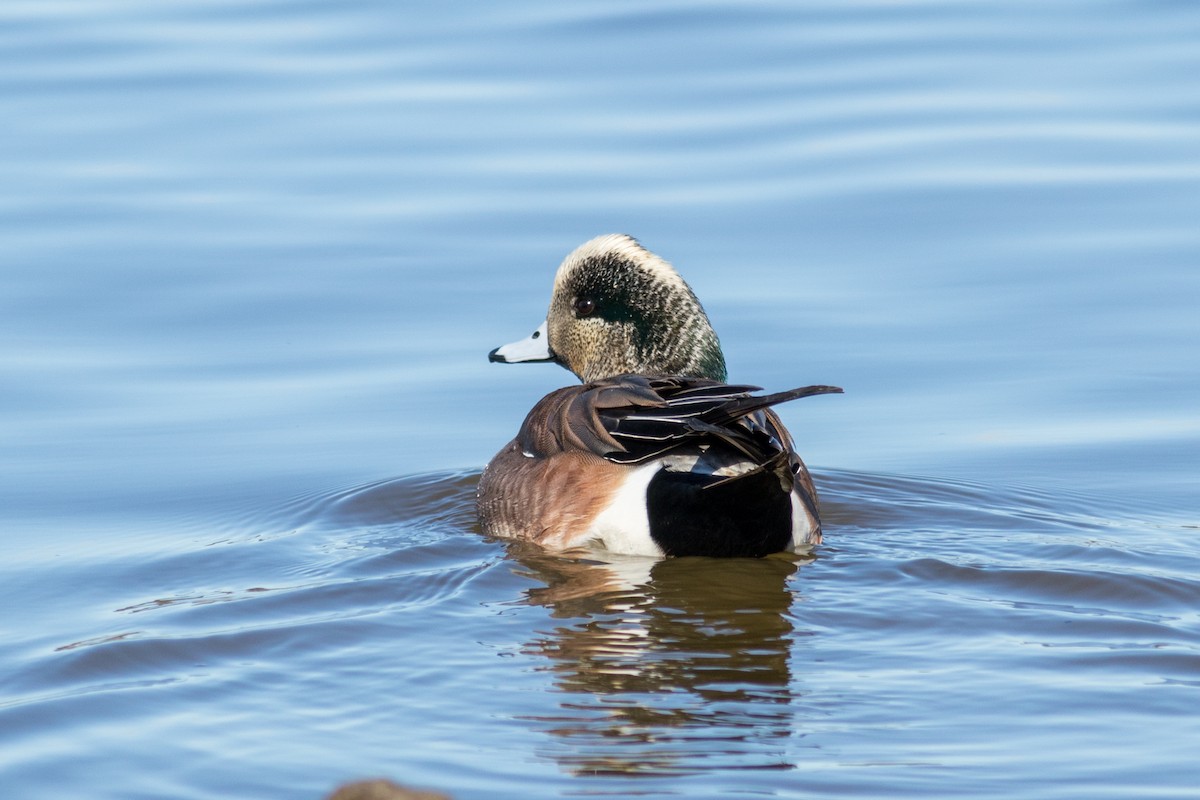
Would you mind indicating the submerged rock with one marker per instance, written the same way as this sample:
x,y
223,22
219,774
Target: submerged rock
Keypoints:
x,y
381,789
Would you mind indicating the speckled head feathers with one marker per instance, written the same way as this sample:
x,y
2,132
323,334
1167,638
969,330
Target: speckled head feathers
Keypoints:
x,y
618,308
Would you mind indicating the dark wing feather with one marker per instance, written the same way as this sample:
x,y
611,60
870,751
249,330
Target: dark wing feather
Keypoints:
x,y
693,412
630,419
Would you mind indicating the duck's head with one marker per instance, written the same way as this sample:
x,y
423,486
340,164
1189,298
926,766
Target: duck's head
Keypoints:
x,y
618,308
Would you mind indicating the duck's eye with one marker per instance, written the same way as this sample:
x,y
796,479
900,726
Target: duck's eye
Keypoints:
x,y
584,306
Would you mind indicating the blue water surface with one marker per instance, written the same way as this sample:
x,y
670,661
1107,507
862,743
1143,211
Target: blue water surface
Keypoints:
x,y
255,253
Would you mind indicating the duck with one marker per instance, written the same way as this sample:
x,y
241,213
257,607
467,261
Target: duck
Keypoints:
x,y
654,453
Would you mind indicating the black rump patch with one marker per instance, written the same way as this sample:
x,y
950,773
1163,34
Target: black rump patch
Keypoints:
x,y
696,514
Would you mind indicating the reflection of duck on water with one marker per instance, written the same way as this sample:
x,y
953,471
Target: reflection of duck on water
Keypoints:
x,y
655,454
682,669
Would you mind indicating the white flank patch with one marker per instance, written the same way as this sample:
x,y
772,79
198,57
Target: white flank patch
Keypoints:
x,y
801,524
623,526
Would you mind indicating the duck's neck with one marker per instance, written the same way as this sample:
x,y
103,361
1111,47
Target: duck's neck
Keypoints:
x,y
705,358
693,351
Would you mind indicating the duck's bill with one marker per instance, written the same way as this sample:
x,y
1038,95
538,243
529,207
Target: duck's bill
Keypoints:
x,y
535,347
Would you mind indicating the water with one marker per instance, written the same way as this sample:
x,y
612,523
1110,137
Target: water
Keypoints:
x,y
255,255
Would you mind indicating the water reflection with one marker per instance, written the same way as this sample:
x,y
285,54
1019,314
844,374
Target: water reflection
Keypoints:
x,y
668,667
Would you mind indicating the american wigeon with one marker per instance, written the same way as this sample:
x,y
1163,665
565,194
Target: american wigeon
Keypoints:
x,y
654,454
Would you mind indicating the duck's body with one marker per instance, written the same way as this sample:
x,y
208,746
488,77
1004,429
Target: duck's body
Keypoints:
x,y
658,466
655,454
